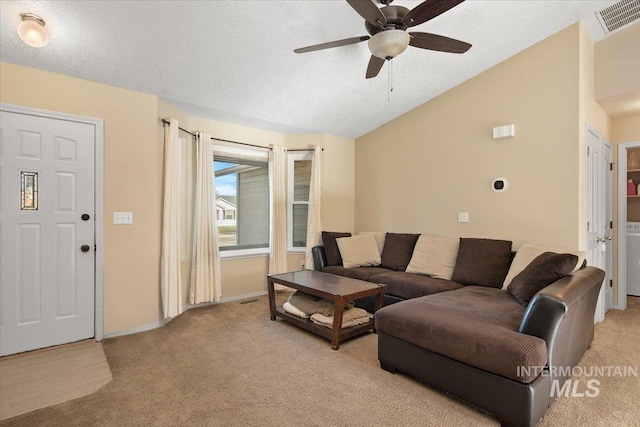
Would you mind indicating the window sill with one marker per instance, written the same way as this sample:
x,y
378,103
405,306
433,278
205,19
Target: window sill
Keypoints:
x,y
296,251
244,253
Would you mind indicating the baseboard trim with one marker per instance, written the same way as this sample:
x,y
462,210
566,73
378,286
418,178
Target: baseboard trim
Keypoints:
x,y
161,323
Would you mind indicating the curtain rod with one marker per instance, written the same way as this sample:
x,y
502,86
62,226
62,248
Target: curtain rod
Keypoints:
x,y
167,122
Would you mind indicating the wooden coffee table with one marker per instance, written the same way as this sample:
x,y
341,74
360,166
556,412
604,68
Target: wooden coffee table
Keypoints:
x,y
328,286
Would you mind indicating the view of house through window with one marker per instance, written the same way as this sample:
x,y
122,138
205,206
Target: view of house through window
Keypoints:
x,y
242,203
300,170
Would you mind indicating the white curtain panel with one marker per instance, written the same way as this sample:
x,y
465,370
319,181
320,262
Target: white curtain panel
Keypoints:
x,y
206,284
170,277
278,198
314,219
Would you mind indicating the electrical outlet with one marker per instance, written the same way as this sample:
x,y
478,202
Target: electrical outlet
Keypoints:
x,y
123,218
463,216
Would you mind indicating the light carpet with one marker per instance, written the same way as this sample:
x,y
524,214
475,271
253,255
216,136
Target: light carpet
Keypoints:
x,y
229,365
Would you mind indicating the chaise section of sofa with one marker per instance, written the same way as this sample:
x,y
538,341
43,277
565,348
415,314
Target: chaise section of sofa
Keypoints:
x,y
474,325
476,344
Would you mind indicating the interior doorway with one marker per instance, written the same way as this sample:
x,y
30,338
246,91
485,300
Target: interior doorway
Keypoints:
x,y
623,204
599,207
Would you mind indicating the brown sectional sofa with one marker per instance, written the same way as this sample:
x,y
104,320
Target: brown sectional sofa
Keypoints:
x,y
477,342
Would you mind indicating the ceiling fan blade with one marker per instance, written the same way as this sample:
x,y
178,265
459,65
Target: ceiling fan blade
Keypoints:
x,y
369,11
328,45
439,43
375,64
427,10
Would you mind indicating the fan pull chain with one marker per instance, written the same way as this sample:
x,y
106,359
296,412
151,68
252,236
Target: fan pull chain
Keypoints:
x,y
390,81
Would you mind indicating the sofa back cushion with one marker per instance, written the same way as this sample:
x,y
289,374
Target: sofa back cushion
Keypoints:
x,y
359,251
540,273
482,262
397,251
331,251
434,256
379,236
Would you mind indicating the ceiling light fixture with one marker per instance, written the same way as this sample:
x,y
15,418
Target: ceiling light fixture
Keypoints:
x,y
389,43
31,30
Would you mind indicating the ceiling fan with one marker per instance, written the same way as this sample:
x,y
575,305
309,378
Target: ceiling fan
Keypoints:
x,y
388,29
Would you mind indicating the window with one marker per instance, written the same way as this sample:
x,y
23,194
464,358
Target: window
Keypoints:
x,y
242,200
298,199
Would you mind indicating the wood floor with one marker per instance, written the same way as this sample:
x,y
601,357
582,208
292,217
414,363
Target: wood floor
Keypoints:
x,y
41,378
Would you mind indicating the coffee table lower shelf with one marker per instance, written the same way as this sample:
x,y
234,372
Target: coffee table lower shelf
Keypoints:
x,y
323,331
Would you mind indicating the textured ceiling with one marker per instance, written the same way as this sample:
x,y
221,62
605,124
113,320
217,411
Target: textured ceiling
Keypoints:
x,y
233,61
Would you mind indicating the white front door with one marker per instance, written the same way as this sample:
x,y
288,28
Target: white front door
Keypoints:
x,y
47,261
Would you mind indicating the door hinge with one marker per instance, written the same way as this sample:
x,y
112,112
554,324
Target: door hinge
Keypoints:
x,y
588,226
610,166
611,225
95,248
611,283
588,150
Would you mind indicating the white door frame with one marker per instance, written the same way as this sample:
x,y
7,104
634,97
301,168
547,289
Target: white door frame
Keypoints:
x,y
607,202
622,222
99,197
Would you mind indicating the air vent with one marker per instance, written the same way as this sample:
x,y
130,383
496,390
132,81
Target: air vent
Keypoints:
x,y
619,15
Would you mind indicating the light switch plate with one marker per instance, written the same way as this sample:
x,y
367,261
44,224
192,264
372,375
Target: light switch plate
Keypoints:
x,y
463,216
123,218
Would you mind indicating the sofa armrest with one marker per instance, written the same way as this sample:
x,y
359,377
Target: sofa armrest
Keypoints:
x,y
562,314
319,258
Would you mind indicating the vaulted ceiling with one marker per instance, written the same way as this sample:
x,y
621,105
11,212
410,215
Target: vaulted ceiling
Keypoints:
x,y
233,61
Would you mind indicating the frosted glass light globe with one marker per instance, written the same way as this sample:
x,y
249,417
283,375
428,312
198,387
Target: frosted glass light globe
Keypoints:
x,y
31,31
389,44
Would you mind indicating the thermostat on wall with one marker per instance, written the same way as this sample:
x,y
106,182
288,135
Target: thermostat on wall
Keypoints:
x,y
500,185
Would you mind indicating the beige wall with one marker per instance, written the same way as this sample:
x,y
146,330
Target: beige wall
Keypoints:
x,y
625,129
617,63
133,163
131,159
417,172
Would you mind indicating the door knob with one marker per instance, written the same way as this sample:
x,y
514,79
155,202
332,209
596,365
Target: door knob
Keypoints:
x,y
85,217
85,248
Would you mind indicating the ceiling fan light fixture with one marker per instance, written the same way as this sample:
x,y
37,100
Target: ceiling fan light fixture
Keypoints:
x,y
389,44
31,30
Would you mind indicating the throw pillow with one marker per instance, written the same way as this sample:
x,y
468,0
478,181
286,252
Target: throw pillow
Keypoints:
x,y
434,256
358,251
540,273
528,253
482,262
331,250
379,236
397,251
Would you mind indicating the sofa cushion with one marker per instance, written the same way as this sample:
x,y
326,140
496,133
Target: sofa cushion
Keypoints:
x,y
361,273
380,236
359,251
474,325
527,253
482,262
331,251
397,251
434,256
408,285
543,271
